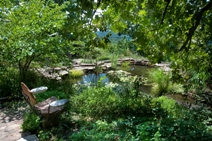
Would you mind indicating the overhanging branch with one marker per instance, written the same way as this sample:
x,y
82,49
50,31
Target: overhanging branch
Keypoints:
x,y
195,25
164,13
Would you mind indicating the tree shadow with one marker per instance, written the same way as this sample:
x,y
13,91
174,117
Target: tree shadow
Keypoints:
x,y
13,111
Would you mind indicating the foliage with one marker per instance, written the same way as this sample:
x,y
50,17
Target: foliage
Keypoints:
x,y
9,86
101,113
35,34
166,105
107,102
101,129
96,101
171,30
114,62
31,122
169,122
119,74
125,64
44,135
176,88
161,81
43,96
76,73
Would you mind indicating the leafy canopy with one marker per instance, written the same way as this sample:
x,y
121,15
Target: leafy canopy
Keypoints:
x,y
29,30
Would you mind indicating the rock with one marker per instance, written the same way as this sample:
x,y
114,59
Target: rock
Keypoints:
x,y
76,61
57,69
29,138
58,78
63,73
126,59
107,65
64,67
58,72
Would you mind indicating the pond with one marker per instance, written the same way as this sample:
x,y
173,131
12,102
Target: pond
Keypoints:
x,y
93,78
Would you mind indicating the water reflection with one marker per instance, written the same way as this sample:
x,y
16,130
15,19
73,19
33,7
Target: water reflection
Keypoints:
x,y
93,78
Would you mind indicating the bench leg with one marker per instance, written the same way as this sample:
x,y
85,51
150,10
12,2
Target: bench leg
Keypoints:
x,y
50,121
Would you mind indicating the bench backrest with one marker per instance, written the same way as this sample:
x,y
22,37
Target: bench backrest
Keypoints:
x,y
27,92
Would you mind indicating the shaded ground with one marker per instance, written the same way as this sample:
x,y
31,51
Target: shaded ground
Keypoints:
x,y
11,118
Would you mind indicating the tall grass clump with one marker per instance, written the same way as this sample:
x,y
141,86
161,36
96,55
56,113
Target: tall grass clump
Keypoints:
x,y
114,62
76,73
160,80
162,83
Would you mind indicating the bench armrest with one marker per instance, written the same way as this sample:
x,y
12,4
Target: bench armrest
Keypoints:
x,y
38,90
58,103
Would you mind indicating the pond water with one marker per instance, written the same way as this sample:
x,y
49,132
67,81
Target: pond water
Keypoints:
x,y
134,70
93,78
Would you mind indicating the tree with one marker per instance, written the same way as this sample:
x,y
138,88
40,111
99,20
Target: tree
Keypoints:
x,y
30,30
174,30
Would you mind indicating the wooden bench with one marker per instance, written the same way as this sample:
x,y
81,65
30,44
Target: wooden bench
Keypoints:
x,y
48,110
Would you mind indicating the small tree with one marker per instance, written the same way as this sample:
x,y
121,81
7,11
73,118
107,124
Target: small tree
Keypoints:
x,y
29,30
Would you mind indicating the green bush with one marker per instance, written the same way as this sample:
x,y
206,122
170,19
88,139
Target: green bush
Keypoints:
x,y
183,129
161,81
100,130
9,83
169,121
169,106
76,73
96,102
31,123
111,101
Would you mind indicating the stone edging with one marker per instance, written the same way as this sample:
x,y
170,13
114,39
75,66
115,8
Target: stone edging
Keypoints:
x,y
59,72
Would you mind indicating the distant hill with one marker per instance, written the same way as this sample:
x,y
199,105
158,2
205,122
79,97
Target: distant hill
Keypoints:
x,y
114,38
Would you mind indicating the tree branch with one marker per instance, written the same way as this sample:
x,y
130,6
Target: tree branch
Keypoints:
x,y
164,13
195,25
94,12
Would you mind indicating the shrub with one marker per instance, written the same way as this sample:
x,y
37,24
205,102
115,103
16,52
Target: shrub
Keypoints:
x,y
111,101
161,81
31,122
176,88
182,129
164,104
99,130
96,102
76,73
9,83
